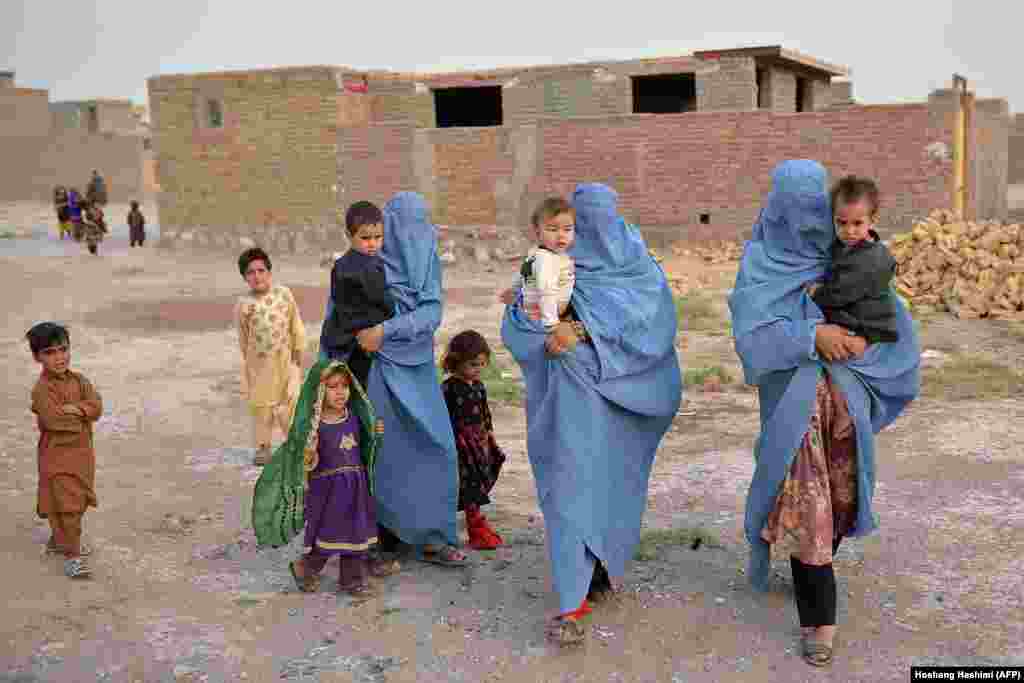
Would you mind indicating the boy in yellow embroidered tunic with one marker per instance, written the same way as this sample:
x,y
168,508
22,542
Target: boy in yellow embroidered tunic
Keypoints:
x,y
271,338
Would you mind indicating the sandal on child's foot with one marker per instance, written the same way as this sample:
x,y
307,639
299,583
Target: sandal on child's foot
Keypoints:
x,y
359,591
817,653
262,456
84,549
446,556
380,567
76,568
306,584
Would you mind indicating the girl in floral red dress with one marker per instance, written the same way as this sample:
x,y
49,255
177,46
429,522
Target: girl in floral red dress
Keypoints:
x,y
480,458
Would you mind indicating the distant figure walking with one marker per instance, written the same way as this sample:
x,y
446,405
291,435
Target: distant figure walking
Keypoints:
x,y
136,226
60,204
96,192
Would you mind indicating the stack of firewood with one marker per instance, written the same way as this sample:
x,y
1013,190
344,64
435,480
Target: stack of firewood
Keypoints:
x,y
975,269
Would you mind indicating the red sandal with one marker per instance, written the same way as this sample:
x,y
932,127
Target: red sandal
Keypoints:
x,y
481,535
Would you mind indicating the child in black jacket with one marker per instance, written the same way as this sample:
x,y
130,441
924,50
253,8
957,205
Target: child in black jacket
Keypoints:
x,y
856,293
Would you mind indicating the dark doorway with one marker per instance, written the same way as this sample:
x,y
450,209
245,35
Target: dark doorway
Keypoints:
x,y
464,107
801,93
664,94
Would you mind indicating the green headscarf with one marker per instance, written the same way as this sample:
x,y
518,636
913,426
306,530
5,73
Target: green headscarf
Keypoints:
x,y
278,505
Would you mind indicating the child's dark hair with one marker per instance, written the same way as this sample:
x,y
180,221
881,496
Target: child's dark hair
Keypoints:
x,y
852,189
250,255
134,204
340,371
463,347
548,209
44,335
360,214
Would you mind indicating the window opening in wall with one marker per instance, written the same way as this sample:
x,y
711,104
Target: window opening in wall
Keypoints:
x,y
147,144
214,113
94,119
763,96
664,93
801,93
705,219
462,107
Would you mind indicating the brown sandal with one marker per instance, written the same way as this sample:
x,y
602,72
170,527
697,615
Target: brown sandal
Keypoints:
x,y
381,568
306,584
567,631
817,653
359,591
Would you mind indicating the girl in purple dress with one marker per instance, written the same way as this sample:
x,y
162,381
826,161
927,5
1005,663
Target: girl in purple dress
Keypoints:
x,y
340,512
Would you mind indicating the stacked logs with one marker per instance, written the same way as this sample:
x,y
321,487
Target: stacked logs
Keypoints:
x,y
975,269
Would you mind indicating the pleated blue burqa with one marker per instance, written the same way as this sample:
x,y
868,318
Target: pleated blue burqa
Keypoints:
x,y
596,415
774,325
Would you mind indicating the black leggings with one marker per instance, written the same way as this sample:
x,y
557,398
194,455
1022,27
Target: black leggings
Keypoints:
x,y
815,588
387,541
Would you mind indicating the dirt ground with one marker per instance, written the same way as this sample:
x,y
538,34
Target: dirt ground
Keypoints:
x,y
181,592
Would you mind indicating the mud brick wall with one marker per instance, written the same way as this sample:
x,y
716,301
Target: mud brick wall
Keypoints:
x,y
397,101
32,166
36,155
668,169
374,162
727,83
269,174
671,169
1016,151
23,112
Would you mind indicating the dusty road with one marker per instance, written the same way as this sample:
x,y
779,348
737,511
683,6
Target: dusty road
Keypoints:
x,y
181,593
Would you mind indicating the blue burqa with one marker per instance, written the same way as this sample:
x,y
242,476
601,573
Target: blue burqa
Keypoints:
x,y
416,477
774,323
596,415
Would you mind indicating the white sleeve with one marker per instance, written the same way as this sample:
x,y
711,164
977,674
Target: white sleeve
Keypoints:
x,y
547,268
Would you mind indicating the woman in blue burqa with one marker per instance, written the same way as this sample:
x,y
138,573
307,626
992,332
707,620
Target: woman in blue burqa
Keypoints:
x,y
416,476
601,391
824,394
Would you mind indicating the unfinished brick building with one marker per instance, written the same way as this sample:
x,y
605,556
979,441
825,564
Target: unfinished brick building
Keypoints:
x,y
270,156
47,143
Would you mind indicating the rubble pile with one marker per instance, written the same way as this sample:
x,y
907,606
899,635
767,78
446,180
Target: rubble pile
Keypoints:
x,y
974,269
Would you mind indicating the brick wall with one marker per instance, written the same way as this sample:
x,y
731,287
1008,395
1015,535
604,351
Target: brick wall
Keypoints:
x,y
394,101
374,162
783,90
468,166
1016,151
841,93
270,170
989,160
116,117
820,94
32,166
23,112
668,169
727,83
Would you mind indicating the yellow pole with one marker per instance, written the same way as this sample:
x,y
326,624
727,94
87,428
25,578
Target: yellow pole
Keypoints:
x,y
959,147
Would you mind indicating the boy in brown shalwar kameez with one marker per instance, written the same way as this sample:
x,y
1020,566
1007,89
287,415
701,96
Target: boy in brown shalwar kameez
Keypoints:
x,y
66,405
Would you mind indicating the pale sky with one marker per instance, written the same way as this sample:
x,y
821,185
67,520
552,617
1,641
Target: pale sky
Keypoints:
x,y
898,50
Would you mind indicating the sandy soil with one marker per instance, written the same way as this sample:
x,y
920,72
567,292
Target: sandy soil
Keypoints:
x,y
181,592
